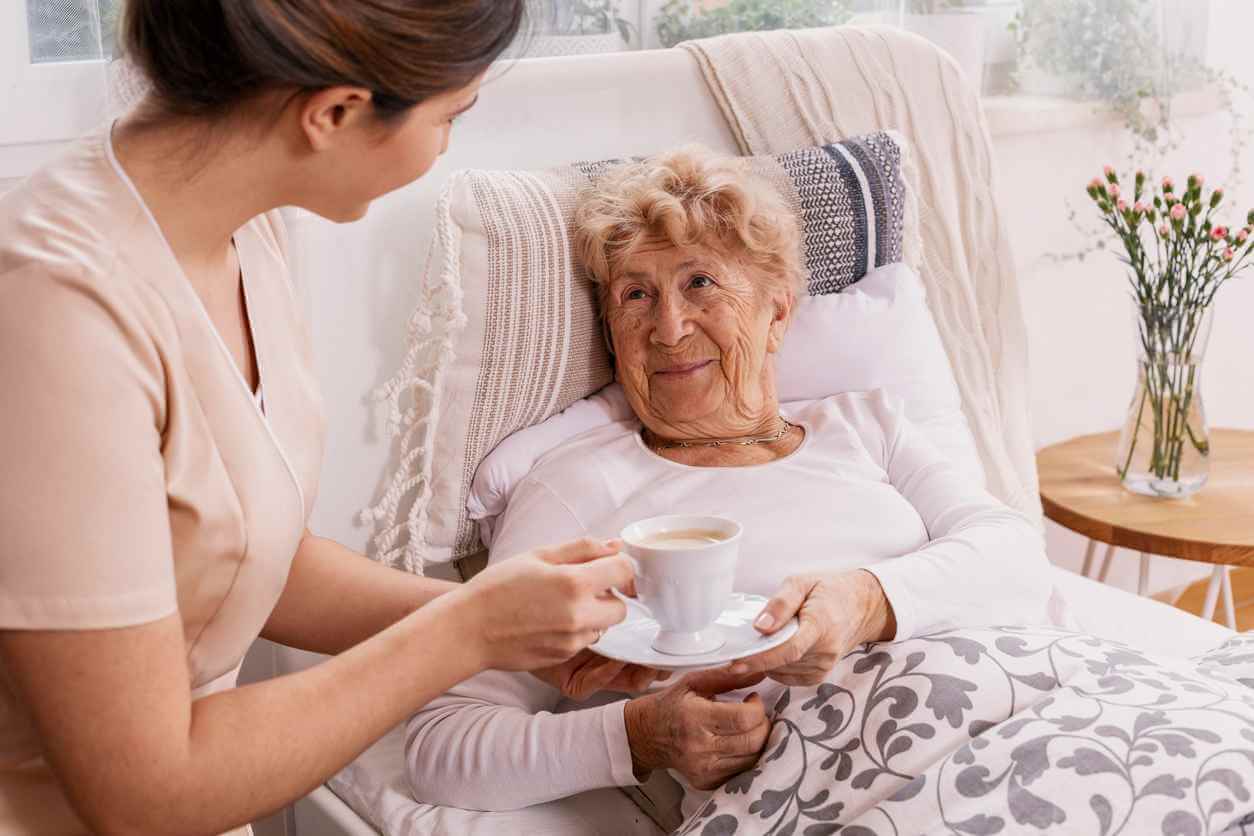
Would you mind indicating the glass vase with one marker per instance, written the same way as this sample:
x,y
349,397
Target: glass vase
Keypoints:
x,y
1164,448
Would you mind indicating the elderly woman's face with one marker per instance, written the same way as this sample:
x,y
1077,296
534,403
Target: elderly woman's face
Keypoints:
x,y
693,328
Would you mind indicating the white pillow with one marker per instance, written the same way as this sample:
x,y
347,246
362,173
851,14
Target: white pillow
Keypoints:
x,y
875,334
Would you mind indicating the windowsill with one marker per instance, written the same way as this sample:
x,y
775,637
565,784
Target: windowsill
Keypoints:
x,y
1013,115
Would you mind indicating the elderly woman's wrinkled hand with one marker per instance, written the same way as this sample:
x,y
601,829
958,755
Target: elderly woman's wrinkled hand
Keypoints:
x,y
587,673
686,729
837,613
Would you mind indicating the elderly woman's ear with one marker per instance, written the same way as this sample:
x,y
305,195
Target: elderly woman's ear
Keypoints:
x,y
783,304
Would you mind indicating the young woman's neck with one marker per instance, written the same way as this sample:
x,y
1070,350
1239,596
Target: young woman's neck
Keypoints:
x,y
201,181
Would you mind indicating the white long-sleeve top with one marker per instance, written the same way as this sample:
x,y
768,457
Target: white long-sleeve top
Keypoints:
x,y
864,489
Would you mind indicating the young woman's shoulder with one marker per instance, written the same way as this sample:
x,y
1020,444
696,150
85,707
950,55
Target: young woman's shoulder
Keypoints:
x,y
71,307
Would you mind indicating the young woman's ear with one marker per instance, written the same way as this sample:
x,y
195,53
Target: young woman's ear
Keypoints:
x,y
326,115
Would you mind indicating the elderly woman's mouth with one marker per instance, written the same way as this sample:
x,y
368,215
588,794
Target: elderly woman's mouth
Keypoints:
x,y
681,370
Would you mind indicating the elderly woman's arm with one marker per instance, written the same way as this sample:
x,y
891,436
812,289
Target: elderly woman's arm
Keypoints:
x,y
494,743
984,563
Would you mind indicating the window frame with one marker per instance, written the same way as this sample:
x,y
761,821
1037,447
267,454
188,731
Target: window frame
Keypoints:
x,y
45,102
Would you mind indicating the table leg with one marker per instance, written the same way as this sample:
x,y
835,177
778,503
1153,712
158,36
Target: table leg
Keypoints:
x,y
1106,561
1212,593
1230,610
1142,582
1088,557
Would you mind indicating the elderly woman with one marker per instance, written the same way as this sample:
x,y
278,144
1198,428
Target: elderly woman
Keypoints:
x,y
852,520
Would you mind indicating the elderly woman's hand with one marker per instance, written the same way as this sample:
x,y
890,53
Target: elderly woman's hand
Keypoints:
x,y
587,673
837,613
684,728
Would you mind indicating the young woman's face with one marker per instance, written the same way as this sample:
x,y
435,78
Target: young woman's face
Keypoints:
x,y
360,157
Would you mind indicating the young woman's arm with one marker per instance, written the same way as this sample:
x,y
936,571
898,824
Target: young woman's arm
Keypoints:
x,y
136,754
336,598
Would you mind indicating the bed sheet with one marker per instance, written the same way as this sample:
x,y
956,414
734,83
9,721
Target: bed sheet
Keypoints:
x,y
1144,623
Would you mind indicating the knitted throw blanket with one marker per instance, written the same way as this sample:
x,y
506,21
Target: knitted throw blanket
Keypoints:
x,y
790,89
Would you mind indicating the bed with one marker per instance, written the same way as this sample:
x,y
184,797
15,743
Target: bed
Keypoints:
x,y
359,285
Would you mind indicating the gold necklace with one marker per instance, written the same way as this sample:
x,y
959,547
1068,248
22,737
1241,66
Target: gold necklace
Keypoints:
x,y
743,441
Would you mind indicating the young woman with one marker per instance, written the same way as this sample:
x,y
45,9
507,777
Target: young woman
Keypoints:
x,y
161,434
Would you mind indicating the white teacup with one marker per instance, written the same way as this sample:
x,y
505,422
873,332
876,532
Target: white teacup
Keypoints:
x,y
685,567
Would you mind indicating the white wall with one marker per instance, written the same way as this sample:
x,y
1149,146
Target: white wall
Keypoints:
x,y
1078,318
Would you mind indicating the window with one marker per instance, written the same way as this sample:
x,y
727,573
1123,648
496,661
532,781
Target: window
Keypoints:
x,y
977,32
1063,41
53,73
70,30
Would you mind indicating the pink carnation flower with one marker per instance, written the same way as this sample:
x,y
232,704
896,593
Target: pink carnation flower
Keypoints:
x,y
1139,208
1108,170
1229,254
1219,233
1242,235
1113,188
1122,205
1178,212
1168,184
1164,230
1097,184
1199,179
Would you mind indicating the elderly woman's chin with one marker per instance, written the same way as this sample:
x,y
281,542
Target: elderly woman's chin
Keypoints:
x,y
683,396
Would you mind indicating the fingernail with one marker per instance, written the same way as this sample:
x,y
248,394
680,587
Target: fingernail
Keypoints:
x,y
764,621
739,667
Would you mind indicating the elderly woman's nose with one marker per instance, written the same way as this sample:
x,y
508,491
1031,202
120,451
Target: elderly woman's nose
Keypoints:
x,y
672,321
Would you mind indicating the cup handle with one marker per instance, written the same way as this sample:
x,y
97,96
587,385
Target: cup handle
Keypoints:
x,y
632,603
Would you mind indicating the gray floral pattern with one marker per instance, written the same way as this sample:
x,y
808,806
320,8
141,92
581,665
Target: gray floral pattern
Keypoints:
x,y
1004,731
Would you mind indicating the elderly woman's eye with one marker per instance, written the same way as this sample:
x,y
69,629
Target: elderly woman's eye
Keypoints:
x,y
634,294
701,280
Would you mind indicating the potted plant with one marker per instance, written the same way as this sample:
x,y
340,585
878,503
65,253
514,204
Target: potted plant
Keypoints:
x,y
1125,54
1090,49
581,27
1179,254
686,20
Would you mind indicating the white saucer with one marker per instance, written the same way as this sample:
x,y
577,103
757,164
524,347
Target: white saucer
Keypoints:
x,y
631,640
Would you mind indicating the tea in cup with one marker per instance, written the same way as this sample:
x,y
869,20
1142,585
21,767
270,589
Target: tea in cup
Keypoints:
x,y
685,568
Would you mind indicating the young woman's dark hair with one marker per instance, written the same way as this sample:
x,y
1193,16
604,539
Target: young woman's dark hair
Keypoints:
x,y
204,57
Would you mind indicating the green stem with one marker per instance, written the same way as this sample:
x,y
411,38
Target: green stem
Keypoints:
x,y
1136,435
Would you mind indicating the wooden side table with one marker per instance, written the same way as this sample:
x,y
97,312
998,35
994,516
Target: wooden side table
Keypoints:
x,y
1080,491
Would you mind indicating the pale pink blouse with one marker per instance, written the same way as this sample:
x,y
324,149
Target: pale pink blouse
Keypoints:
x,y
140,477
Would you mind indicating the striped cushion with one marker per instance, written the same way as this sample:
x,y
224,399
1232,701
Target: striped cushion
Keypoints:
x,y
851,202
507,332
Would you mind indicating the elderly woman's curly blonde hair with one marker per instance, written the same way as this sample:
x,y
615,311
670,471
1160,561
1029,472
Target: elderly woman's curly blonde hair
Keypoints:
x,y
688,196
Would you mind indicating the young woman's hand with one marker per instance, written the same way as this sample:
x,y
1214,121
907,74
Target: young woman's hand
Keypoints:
x,y
837,613
542,607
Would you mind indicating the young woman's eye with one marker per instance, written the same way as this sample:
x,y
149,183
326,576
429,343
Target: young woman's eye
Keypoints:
x,y
701,280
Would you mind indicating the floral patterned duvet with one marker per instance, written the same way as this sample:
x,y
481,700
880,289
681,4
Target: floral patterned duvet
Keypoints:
x,y
1005,731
